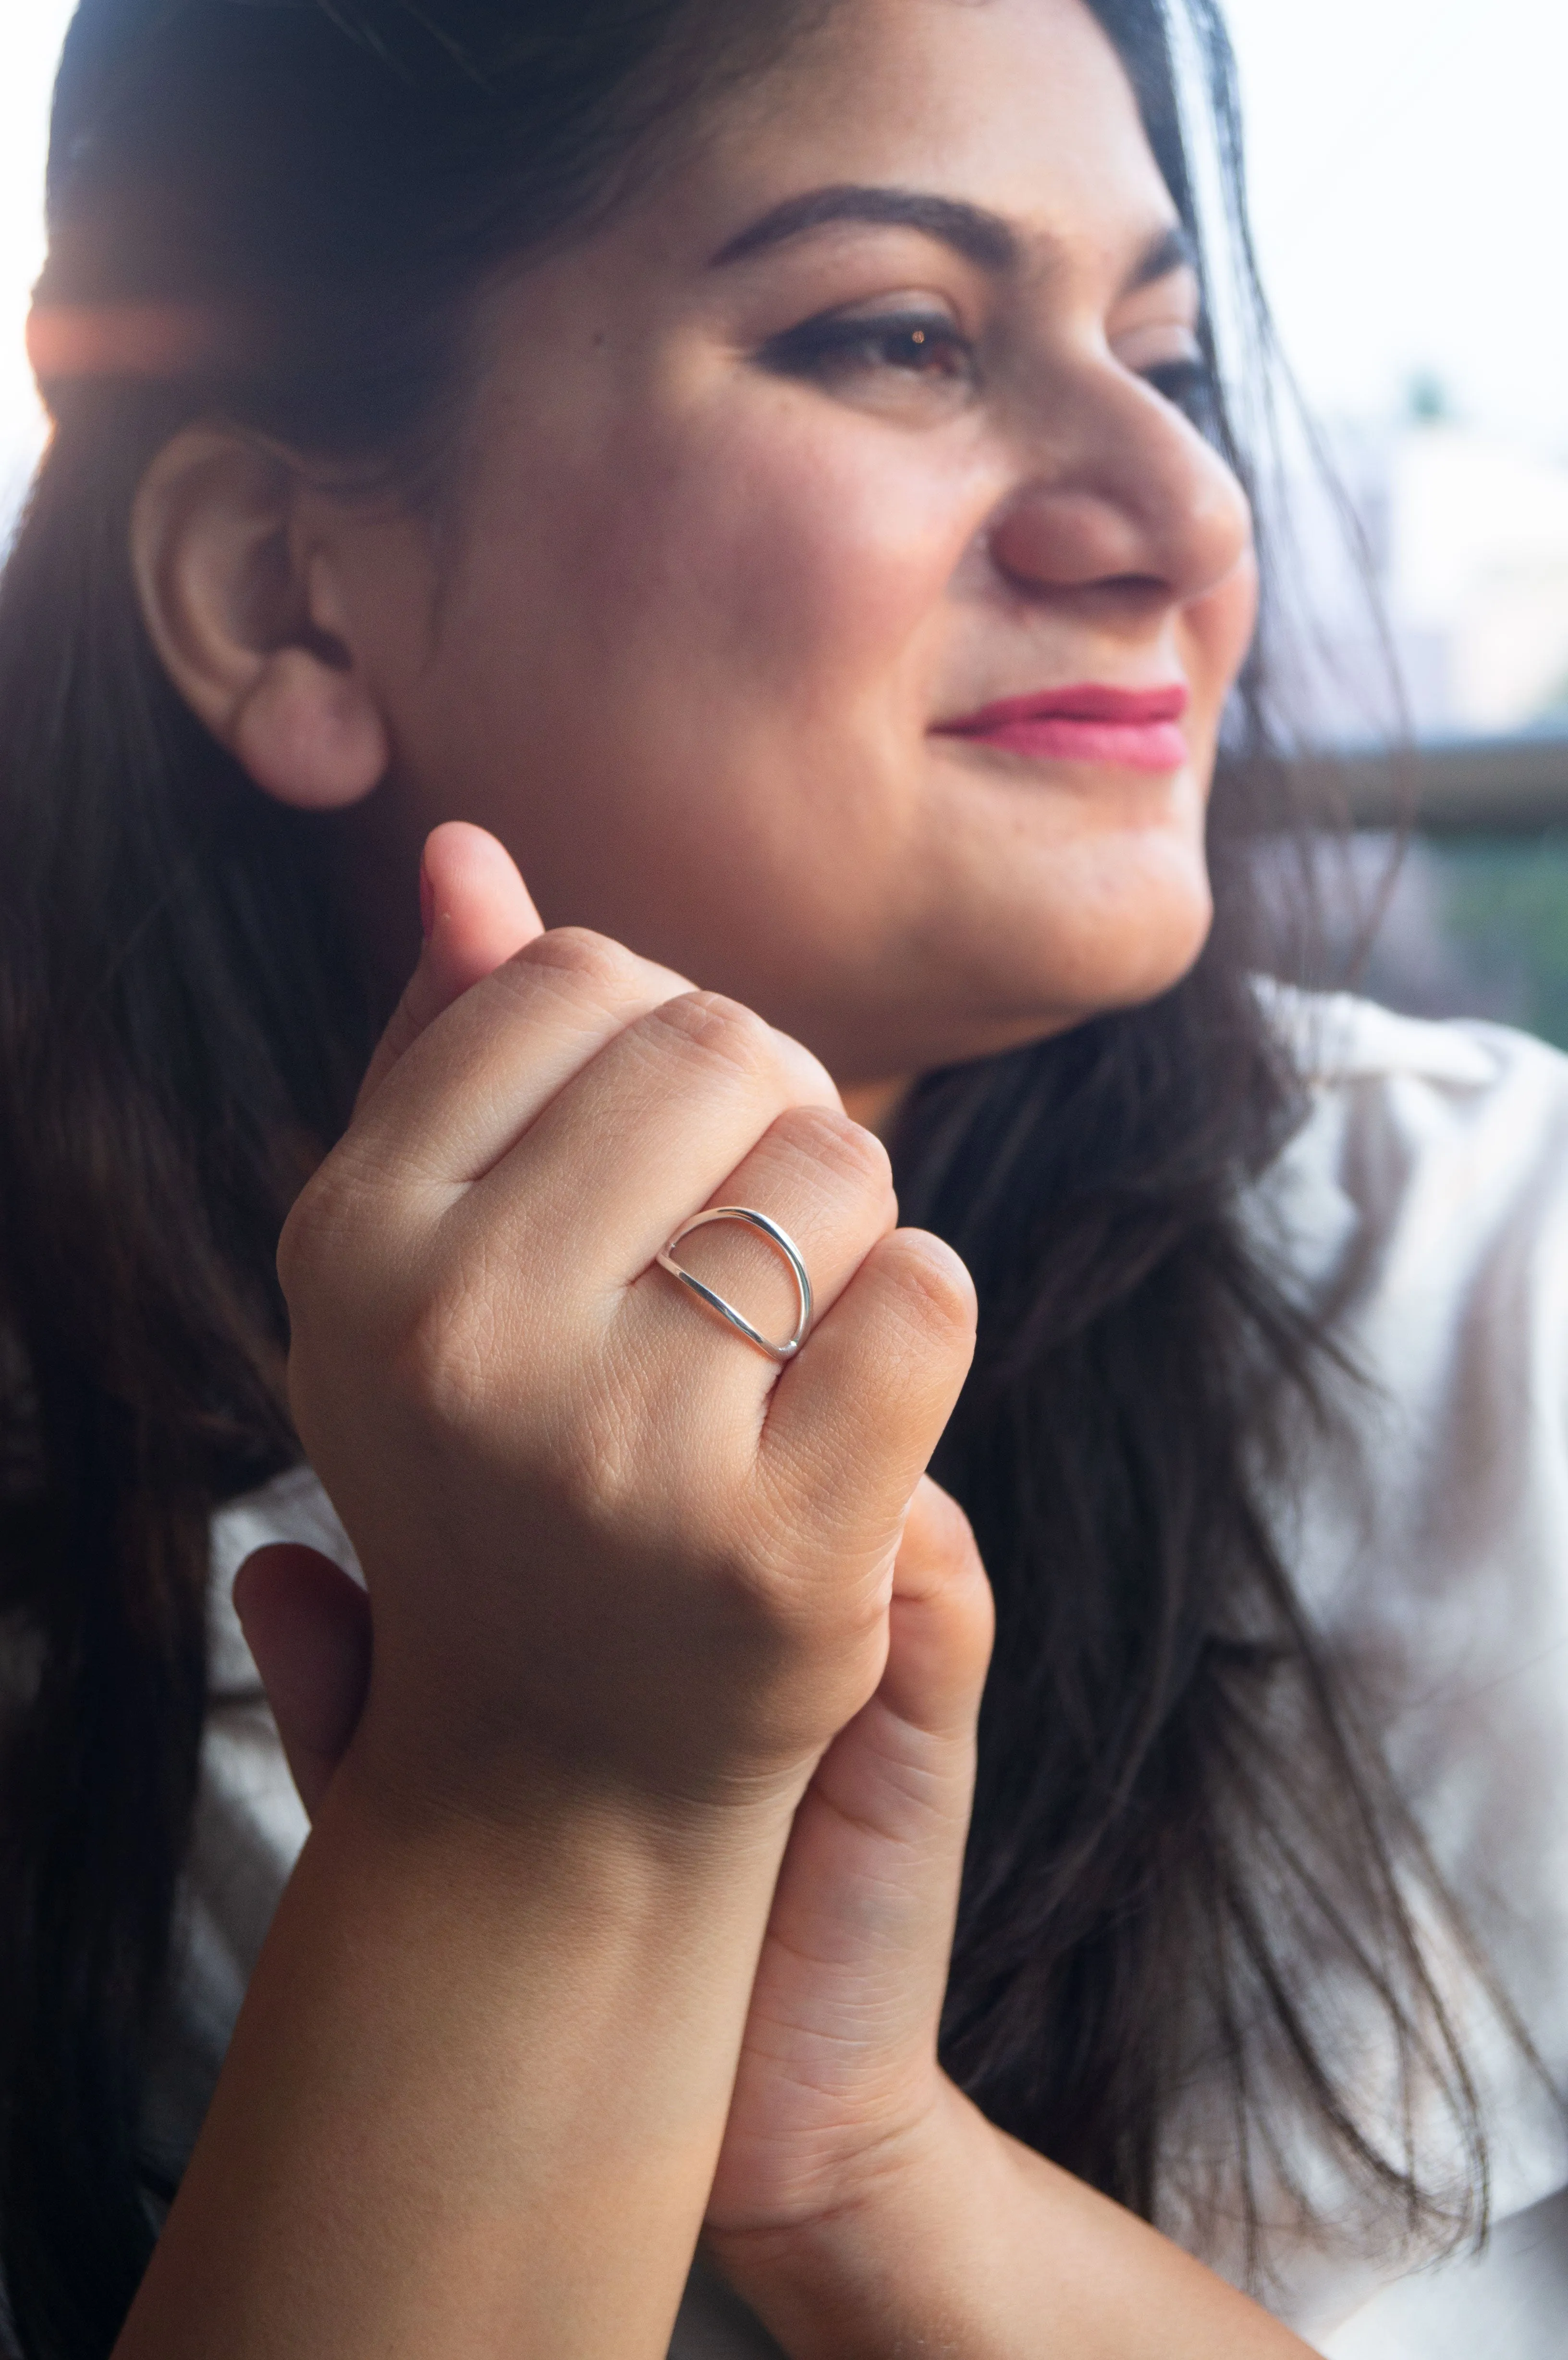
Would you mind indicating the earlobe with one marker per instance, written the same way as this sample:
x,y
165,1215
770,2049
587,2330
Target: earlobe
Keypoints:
x,y
308,734
249,629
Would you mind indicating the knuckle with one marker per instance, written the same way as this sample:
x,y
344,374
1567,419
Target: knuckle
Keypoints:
x,y
579,956
442,1366
718,1031
316,1250
936,1289
786,1601
852,1156
298,1242
599,1469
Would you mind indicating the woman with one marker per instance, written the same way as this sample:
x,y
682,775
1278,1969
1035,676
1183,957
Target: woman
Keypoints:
x,y
763,472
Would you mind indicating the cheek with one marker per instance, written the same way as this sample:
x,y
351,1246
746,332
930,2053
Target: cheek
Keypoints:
x,y
692,654
788,561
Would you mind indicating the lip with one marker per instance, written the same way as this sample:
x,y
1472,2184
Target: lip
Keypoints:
x,y
1120,728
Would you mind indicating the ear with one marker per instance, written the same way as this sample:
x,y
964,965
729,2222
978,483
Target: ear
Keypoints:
x,y
245,609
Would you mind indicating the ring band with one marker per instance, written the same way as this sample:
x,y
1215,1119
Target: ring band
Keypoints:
x,y
776,1238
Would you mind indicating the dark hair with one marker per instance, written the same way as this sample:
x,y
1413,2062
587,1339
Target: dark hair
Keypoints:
x,y
281,211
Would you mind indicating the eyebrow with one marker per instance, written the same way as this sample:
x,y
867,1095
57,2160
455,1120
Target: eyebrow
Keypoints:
x,y
1172,250
981,237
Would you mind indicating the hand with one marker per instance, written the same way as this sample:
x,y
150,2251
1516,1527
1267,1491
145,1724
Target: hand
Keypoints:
x,y
839,2086
598,1531
838,2092
838,2074
838,2097
858,2198
839,2065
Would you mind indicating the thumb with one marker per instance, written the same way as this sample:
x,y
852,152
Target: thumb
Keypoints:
x,y
943,1618
308,1626
477,913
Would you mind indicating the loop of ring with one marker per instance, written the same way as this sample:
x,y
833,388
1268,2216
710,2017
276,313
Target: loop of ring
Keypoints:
x,y
777,1238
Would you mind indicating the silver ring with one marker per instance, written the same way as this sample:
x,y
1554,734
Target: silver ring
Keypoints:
x,y
777,1238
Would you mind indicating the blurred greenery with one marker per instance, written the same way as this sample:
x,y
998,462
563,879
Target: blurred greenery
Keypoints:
x,y
1504,913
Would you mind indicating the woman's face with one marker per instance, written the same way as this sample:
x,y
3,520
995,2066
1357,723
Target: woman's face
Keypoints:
x,y
863,422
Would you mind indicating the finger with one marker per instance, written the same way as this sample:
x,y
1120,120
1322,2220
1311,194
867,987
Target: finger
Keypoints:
x,y
850,1984
853,1421
644,1135
477,913
902,1773
308,1626
829,1186
464,1091
943,1621
938,1546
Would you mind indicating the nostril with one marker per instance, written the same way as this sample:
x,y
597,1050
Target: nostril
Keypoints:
x,y
1056,538
1138,585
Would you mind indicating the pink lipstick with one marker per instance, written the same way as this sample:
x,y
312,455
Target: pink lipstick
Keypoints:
x,y
1123,728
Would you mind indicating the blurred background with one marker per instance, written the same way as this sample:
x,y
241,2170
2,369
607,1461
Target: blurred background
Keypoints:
x,y
1410,208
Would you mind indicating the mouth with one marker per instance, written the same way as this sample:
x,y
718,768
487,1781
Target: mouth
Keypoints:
x,y
1120,728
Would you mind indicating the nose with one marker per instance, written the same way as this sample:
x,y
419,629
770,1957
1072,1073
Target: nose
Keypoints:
x,y
1121,499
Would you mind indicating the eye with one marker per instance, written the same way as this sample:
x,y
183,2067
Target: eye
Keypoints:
x,y
1188,383
924,347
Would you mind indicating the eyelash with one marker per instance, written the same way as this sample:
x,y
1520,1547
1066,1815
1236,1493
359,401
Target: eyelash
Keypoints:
x,y
1188,385
909,343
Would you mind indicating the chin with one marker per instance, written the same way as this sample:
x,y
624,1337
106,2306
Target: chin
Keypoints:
x,y
986,973
986,1017
1136,947
1156,967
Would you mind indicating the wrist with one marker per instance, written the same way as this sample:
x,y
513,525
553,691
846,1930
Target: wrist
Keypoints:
x,y
894,2238
472,2039
514,1796
965,2241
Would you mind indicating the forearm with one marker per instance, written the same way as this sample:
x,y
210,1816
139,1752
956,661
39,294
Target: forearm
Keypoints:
x,y
475,2095
969,2244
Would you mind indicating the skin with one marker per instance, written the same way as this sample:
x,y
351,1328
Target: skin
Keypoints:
x,y
691,687
638,1836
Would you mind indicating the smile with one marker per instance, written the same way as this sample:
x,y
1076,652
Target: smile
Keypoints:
x,y
1122,728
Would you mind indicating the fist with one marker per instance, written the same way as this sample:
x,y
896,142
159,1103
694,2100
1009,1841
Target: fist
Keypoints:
x,y
601,1532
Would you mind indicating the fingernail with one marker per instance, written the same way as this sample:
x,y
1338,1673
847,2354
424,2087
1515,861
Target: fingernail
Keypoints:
x,y
427,903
